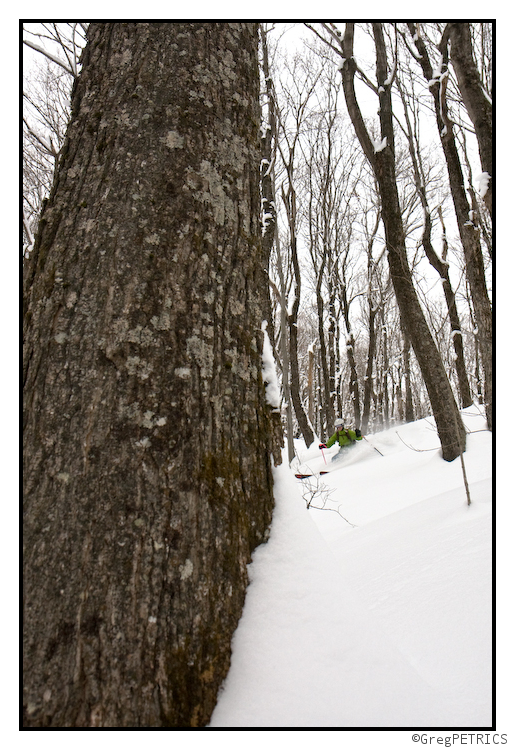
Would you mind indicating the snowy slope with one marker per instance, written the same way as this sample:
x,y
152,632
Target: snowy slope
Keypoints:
x,y
383,623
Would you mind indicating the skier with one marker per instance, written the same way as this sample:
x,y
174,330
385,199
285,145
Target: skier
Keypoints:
x,y
343,436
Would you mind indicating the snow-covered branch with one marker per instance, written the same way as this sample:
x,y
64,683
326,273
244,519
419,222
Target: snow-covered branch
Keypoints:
x,y
65,65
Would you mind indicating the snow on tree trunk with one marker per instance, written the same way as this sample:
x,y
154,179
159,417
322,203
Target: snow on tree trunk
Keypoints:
x,y
477,102
147,437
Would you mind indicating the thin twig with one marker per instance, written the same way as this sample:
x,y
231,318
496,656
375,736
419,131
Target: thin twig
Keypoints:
x,y
418,450
334,510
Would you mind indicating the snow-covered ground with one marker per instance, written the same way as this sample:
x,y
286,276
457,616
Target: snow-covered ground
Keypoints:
x,y
379,615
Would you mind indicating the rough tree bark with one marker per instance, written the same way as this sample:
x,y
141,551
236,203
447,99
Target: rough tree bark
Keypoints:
x,y
147,436
382,159
477,102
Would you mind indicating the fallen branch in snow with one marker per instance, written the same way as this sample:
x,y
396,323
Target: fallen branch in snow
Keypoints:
x,y
317,490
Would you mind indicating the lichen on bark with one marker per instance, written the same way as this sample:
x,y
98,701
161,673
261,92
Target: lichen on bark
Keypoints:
x,y
147,446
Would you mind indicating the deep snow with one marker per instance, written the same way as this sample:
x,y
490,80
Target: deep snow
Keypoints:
x,y
382,623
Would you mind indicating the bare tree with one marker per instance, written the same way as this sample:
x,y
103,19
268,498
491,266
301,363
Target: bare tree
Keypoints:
x,y
375,301
298,98
322,233
333,170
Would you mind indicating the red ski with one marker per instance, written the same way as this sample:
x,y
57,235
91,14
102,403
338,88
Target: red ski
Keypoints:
x,y
306,476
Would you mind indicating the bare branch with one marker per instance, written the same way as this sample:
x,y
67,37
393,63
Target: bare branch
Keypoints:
x,y
47,145
326,41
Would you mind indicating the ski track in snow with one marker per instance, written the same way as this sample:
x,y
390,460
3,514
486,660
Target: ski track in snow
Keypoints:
x,y
384,625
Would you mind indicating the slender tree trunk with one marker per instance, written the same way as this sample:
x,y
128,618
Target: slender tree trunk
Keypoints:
x,y
327,409
331,337
398,393
338,378
385,399
289,200
349,347
368,388
456,333
448,420
439,264
410,412
477,372
304,425
477,355
373,309
311,395
147,436
285,352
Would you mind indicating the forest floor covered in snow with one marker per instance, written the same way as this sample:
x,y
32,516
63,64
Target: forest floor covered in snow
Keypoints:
x,y
375,612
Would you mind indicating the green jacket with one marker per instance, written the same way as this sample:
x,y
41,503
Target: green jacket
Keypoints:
x,y
344,437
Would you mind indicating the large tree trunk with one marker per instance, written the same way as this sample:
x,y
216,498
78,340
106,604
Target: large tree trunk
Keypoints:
x,y
147,436
477,102
447,417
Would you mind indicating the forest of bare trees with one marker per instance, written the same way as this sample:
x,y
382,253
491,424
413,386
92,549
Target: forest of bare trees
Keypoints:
x,y
383,202
182,184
